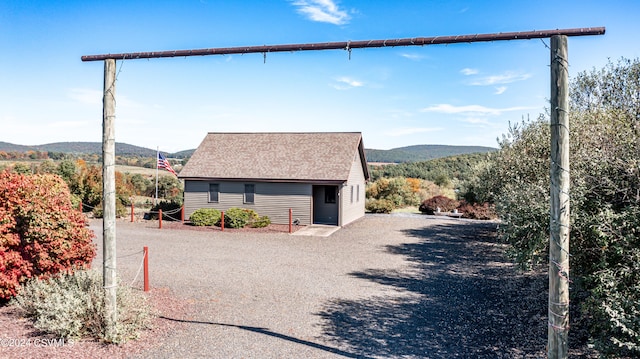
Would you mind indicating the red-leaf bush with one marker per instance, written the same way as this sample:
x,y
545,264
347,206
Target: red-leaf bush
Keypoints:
x,y
41,233
483,211
431,205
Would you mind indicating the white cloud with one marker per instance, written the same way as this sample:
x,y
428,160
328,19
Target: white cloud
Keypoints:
x,y
412,130
500,90
68,124
86,96
504,78
476,121
467,71
345,83
471,109
322,11
413,57
94,97
123,101
400,114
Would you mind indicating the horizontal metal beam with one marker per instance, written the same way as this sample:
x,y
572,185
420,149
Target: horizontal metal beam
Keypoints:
x,y
348,45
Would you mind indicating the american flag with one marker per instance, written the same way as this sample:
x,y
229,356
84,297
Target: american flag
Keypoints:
x,y
163,163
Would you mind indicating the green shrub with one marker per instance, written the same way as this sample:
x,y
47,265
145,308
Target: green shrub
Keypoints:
x,y
444,204
399,191
205,217
71,305
260,222
379,205
239,217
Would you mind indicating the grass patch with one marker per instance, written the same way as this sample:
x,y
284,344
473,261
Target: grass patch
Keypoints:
x,y
410,209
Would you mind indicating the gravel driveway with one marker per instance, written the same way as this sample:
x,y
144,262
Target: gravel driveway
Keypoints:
x,y
385,286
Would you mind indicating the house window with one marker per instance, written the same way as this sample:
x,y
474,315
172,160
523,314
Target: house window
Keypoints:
x,y
249,193
352,194
358,194
214,192
329,194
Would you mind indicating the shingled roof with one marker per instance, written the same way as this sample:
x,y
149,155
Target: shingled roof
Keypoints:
x,y
282,156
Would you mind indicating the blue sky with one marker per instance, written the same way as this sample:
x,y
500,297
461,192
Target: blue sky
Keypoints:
x,y
463,94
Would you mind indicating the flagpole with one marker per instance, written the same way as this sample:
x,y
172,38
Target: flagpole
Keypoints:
x,y
157,157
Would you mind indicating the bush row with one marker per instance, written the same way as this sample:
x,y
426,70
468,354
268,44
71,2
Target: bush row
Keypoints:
x,y
386,194
233,218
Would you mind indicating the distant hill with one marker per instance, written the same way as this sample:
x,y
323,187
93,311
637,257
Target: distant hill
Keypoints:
x,y
419,153
415,153
122,149
10,147
183,154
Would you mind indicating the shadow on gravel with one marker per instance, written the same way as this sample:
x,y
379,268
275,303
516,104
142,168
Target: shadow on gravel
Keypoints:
x,y
461,298
268,332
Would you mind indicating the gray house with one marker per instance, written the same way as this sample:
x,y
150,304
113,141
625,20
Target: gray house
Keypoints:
x,y
320,176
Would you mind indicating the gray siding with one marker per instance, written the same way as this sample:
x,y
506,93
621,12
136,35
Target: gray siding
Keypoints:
x,y
271,199
352,211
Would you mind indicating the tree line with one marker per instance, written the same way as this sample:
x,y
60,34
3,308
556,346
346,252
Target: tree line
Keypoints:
x,y
85,183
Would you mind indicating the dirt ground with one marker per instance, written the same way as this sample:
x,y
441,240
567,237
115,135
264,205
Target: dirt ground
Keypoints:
x,y
383,287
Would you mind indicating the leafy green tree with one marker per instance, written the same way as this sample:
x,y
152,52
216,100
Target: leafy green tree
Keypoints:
x,y
169,187
47,166
67,170
140,184
22,168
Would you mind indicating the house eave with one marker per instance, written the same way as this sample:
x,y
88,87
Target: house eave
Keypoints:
x,y
267,180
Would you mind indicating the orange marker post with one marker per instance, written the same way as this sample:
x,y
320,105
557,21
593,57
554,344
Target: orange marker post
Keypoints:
x,y
290,220
146,269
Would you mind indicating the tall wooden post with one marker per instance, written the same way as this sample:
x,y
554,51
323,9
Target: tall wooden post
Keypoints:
x,y
109,199
559,214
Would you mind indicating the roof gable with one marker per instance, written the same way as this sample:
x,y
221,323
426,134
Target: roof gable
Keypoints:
x,y
319,156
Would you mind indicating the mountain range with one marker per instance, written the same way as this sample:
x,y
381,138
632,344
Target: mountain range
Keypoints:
x,y
77,148
419,153
414,153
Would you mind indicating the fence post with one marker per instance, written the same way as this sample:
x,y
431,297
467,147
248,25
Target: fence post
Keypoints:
x,y
160,218
131,211
182,214
290,220
222,221
146,269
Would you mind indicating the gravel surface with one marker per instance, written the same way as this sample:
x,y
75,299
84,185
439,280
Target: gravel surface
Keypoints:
x,y
382,287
